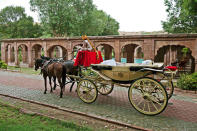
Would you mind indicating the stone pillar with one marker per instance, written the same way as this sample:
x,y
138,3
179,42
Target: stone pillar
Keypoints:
x,y
70,55
195,65
194,54
130,53
9,54
3,52
117,50
108,52
30,59
16,61
148,49
24,55
45,48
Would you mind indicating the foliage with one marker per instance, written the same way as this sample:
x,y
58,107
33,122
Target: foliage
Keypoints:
x,y
185,51
20,55
188,82
12,120
3,65
73,18
0,49
14,23
182,16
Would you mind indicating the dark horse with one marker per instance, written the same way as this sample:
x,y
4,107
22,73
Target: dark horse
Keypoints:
x,y
68,67
54,69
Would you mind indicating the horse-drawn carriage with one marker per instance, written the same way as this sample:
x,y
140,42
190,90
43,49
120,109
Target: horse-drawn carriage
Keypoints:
x,y
150,86
146,93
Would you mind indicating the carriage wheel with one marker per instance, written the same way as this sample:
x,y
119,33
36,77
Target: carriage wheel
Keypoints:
x,y
105,89
166,82
87,91
148,96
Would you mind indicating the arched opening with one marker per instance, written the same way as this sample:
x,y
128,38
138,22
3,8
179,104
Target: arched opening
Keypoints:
x,y
172,54
107,51
12,55
36,51
138,55
23,55
127,52
75,50
57,52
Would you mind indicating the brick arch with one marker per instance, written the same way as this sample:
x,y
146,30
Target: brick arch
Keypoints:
x,y
126,52
61,49
105,43
74,50
76,43
36,50
51,45
187,45
138,43
107,51
172,53
23,54
36,44
25,44
138,51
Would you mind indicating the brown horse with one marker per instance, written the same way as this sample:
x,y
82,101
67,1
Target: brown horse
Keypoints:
x,y
54,69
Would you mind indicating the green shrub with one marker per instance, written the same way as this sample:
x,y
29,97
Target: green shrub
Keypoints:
x,y
3,65
1,62
188,82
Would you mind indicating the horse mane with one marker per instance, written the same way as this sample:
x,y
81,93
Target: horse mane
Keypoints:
x,y
45,57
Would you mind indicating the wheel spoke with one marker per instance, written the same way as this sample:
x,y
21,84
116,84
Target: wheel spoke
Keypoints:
x,y
154,105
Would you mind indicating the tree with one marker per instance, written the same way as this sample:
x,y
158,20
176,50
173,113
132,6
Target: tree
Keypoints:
x,y
15,24
182,16
70,17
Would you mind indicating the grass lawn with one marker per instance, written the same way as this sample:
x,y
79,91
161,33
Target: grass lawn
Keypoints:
x,y
12,120
24,70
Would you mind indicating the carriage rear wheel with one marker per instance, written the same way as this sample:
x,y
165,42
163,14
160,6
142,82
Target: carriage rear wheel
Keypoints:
x,y
105,89
87,91
148,96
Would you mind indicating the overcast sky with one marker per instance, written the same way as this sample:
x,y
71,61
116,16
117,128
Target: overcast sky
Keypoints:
x,y
133,15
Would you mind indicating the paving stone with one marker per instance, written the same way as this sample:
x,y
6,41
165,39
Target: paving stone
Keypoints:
x,y
180,116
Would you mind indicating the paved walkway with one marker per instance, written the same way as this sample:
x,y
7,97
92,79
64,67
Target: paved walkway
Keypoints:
x,y
180,114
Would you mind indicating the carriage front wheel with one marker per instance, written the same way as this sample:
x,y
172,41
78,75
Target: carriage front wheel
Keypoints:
x,y
87,91
148,96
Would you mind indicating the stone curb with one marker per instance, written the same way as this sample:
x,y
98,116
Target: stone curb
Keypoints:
x,y
185,91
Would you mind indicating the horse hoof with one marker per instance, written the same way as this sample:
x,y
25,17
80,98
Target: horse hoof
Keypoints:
x,y
44,92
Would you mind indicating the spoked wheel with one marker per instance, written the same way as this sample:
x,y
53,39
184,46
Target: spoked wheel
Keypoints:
x,y
105,89
148,96
87,91
166,81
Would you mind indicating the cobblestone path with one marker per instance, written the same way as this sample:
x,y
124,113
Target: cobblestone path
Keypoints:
x,y
180,114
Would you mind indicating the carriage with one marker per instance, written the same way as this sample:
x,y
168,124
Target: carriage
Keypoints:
x,y
150,86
